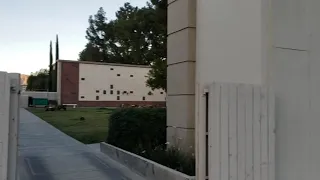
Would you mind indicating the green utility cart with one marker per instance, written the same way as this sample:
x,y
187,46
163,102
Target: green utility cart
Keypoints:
x,y
40,102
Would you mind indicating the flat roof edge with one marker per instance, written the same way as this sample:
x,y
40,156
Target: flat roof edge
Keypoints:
x,y
103,63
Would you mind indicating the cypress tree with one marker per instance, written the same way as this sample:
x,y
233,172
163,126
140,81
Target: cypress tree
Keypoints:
x,y
50,69
56,67
57,47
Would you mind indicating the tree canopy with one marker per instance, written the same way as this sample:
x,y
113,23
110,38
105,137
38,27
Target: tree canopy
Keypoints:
x,y
38,81
135,36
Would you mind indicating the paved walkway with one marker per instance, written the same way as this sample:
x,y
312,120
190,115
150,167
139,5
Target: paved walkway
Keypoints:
x,y
46,153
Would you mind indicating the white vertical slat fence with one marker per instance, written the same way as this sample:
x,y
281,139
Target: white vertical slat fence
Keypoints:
x,y
241,132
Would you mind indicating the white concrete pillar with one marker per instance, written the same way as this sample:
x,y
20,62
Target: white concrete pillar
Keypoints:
x,y
9,122
14,121
4,123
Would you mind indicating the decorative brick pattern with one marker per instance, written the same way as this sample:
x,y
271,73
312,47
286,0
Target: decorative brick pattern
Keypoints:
x,y
69,82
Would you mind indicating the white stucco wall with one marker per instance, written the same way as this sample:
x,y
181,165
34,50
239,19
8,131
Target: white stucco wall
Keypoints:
x,y
245,41
37,94
296,80
100,77
231,40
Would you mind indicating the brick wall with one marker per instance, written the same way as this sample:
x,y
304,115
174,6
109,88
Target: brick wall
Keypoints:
x,y
69,82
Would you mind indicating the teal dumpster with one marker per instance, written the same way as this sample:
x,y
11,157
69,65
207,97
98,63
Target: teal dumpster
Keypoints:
x,y
39,102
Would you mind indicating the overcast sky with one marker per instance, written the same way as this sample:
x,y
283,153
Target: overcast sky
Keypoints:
x,y
27,26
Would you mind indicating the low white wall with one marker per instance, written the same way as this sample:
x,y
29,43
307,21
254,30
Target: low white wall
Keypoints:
x,y
35,94
24,101
26,94
144,167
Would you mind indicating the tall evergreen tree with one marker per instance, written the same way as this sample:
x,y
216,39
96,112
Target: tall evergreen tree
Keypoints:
x,y
55,78
57,47
50,69
96,32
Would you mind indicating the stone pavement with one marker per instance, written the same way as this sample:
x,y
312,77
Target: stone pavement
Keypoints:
x,y
46,153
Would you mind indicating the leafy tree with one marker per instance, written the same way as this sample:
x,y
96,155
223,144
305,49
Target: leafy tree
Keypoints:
x,y
38,81
157,76
157,20
50,69
136,36
131,35
90,53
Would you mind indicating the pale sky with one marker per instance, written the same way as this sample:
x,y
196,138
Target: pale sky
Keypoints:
x,y
27,26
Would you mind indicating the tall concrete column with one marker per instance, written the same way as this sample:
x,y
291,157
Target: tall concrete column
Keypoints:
x,y
181,74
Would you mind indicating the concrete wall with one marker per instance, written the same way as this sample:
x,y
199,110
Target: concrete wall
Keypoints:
x,y
230,41
24,97
233,42
276,43
24,101
36,94
95,80
148,169
295,69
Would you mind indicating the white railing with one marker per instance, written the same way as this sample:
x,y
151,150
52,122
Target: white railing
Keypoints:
x,y
9,122
241,132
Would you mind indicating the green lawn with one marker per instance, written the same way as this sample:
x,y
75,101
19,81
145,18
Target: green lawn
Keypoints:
x,y
93,129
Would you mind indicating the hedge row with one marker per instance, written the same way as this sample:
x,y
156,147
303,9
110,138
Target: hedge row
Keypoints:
x,y
137,129
143,132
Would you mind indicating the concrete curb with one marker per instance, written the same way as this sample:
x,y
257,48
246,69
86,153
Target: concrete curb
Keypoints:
x,y
144,167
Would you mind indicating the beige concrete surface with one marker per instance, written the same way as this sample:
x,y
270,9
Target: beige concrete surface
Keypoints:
x,y
181,138
182,46
181,111
181,78
182,15
181,74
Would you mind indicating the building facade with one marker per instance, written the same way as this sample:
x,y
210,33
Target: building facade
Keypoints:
x,y
269,43
95,84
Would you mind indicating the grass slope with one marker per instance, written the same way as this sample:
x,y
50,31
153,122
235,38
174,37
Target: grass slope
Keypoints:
x,y
92,129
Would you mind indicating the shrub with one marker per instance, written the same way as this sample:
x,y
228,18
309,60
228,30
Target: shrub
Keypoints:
x,y
143,131
137,129
174,159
